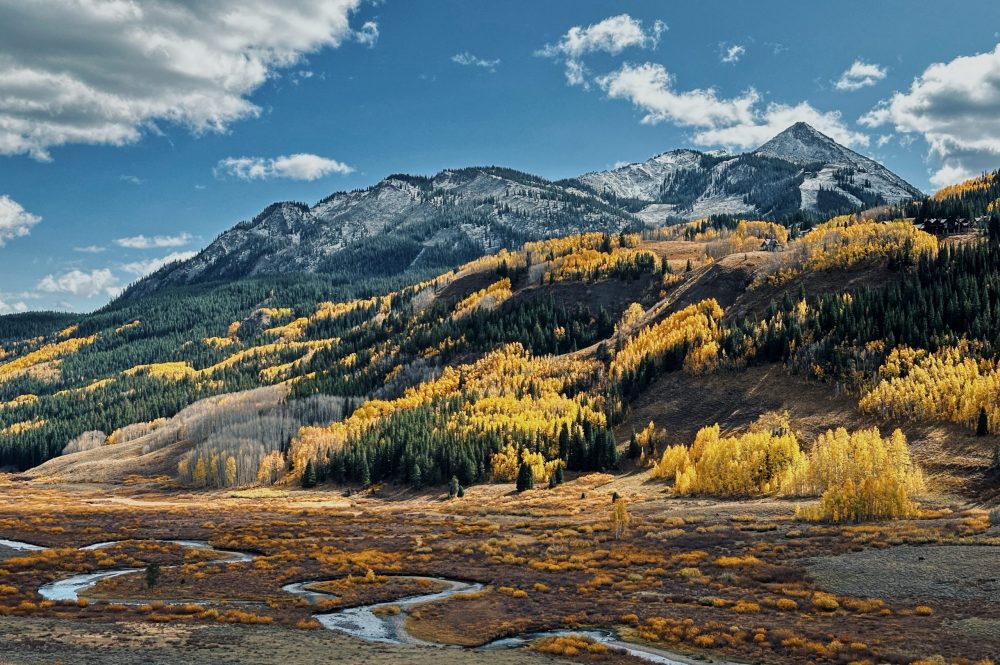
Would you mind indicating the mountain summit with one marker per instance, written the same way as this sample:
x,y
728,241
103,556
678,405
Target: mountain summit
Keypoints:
x,y
799,169
406,226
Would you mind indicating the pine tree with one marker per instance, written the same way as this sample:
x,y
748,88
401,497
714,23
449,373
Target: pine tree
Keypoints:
x,y
525,478
309,475
453,487
152,574
559,475
634,449
983,426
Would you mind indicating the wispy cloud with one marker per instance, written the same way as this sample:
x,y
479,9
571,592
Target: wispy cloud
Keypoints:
x,y
90,249
731,54
135,180
612,35
301,166
367,34
155,242
860,75
734,122
15,221
143,268
469,60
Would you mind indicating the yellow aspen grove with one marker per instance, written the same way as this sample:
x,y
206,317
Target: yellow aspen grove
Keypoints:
x,y
508,392
862,476
695,327
757,462
271,468
949,385
674,459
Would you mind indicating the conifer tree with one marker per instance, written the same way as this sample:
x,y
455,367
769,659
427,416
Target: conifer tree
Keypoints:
x,y
983,426
309,475
453,487
525,478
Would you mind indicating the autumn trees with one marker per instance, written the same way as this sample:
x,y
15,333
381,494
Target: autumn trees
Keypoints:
x,y
857,476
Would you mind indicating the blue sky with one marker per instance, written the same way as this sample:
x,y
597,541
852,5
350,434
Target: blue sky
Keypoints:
x,y
117,153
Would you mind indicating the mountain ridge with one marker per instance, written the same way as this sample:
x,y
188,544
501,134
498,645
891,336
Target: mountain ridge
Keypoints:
x,y
405,224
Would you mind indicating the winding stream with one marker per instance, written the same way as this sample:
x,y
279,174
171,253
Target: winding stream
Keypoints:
x,y
366,622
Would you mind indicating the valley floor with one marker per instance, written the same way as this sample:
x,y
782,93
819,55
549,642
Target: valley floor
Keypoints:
x,y
740,581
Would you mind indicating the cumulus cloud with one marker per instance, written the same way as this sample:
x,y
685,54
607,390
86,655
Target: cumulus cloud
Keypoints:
x,y
15,221
859,75
301,166
469,60
10,308
732,54
155,242
80,283
737,122
105,72
955,106
612,35
143,268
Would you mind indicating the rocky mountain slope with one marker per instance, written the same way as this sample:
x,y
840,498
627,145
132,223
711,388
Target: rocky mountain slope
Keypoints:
x,y
799,169
408,226
401,225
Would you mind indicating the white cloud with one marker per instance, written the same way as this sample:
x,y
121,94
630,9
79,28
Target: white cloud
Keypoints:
x,y
732,54
736,122
301,166
367,34
949,174
955,106
90,249
651,89
79,283
143,268
612,35
859,75
74,71
135,180
10,308
15,221
155,242
469,60
883,140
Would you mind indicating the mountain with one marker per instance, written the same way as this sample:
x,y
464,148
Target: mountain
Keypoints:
x,y
799,169
406,227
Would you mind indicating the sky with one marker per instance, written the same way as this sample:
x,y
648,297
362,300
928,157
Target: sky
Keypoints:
x,y
133,132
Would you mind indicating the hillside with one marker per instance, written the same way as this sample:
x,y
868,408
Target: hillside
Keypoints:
x,y
407,228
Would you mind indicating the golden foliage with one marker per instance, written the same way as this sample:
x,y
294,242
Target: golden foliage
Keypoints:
x,y
948,385
984,181
44,354
757,462
489,298
842,244
695,327
508,392
861,476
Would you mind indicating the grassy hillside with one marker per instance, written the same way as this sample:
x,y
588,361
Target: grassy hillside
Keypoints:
x,y
546,357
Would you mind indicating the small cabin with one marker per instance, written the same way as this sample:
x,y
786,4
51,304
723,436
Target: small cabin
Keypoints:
x,y
770,245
